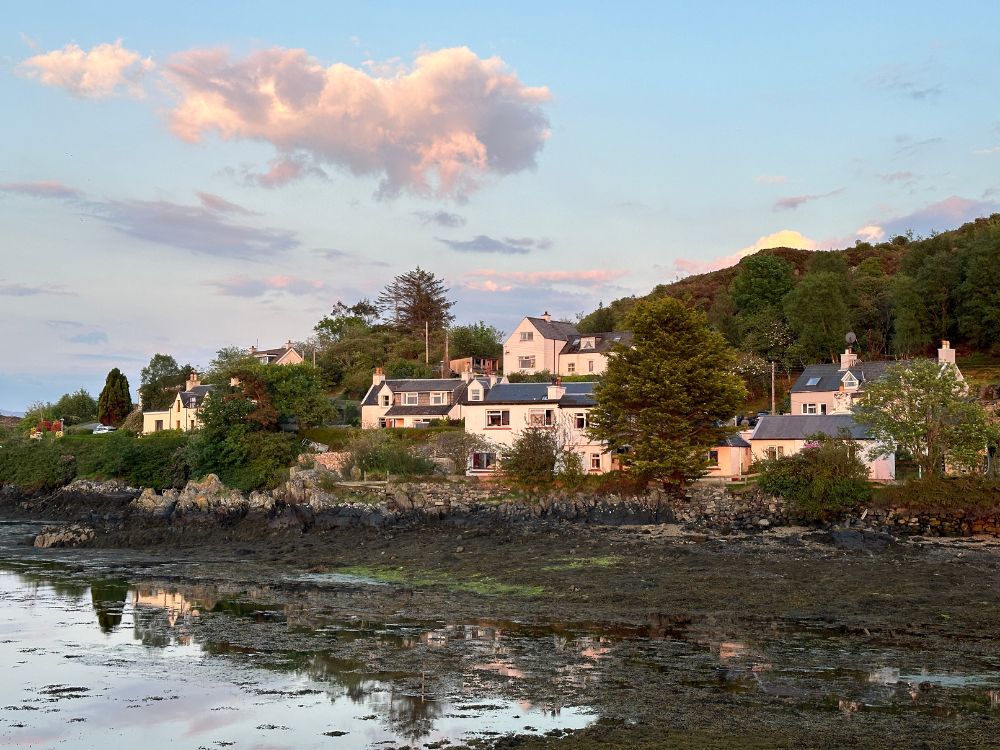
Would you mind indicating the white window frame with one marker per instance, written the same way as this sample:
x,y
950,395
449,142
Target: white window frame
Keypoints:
x,y
713,458
580,420
475,395
437,399
526,363
595,461
812,382
498,418
541,417
850,381
571,368
486,460
774,451
411,399
386,399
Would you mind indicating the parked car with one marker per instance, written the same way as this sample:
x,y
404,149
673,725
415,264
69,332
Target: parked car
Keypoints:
x,y
103,429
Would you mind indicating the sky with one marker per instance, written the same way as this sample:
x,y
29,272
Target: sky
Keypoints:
x,y
180,177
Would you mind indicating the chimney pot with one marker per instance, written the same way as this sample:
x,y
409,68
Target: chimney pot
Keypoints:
x,y
946,355
848,359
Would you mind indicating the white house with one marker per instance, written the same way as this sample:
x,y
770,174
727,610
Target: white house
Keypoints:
x,y
415,402
184,412
556,346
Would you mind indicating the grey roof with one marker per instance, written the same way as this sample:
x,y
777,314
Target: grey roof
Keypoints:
x,y
418,411
603,344
831,375
734,441
456,386
554,329
577,394
198,393
802,426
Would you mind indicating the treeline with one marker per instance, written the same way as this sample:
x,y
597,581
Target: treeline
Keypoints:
x,y
899,297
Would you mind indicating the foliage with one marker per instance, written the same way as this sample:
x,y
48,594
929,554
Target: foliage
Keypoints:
x,y
160,382
826,477
533,457
383,452
475,340
762,282
935,493
819,313
909,326
71,409
415,298
923,408
601,320
226,361
115,401
456,445
542,376
662,398
133,422
296,391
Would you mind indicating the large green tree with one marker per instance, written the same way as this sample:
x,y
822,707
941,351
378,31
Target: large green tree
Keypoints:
x,y
75,408
910,330
475,340
601,320
818,310
924,409
762,281
416,298
661,399
115,401
160,381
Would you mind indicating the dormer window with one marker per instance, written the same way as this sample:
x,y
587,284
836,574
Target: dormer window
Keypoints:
x,y
410,399
386,399
850,381
475,394
588,343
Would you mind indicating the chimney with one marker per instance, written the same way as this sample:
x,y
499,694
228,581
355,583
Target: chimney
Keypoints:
x,y
546,317
556,391
379,377
848,359
467,374
289,344
192,381
253,349
946,355
493,379
234,382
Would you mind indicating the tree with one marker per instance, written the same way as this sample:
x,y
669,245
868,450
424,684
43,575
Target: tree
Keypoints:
x,y
923,408
762,281
344,319
979,319
416,298
160,381
226,360
601,320
475,340
873,309
819,312
533,457
661,399
909,326
75,408
115,401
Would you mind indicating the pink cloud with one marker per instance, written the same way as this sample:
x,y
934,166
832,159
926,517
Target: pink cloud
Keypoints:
x,y
245,286
222,206
791,202
488,280
441,127
106,70
42,189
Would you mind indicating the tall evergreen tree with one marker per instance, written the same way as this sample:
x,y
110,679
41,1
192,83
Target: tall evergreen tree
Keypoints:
x,y
115,401
909,327
819,312
416,298
662,398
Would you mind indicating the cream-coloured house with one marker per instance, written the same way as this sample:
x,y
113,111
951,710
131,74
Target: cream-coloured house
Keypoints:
x,y
183,412
833,389
730,459
501,412
787,434
415,402
542,344
283,355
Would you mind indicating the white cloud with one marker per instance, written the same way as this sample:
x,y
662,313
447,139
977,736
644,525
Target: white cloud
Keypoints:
x,y
106,70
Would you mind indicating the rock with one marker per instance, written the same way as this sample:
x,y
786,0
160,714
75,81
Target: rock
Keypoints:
x,y
862,541
72,535
763,523
459,550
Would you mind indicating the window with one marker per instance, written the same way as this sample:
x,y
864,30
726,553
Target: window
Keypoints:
x,y
587,343
192,402
498,418
410,399
383,423
808,408
475,394
483,461
541,417
590,365
595,460
713,458
775,452
527,336
437,399
178,421
571,368
812,381
159,425
850,381
192,424
178,404
580,420
526,363
422,422
386,399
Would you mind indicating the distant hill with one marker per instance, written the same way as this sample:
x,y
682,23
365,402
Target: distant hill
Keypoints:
x,y
6,413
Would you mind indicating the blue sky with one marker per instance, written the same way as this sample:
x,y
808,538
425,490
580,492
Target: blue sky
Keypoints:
x,y
191,176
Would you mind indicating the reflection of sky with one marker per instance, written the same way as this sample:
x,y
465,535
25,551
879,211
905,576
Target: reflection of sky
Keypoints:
x,y
148,679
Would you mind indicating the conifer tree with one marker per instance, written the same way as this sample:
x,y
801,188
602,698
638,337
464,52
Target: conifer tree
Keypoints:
x,y
115,401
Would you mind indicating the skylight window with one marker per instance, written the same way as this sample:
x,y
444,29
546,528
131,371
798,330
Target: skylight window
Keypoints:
x,y
812,381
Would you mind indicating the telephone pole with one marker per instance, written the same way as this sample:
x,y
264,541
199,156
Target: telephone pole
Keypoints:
x,y
772,387
427,344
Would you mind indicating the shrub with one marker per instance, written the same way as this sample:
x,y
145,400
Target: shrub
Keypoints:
x,y
455,445
943,494
824,478
382,452
533,457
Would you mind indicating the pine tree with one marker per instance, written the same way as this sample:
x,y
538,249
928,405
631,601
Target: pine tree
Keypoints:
x,y
662,398
414,299
115,401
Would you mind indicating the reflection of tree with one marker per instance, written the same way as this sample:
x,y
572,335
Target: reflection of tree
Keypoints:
x,y
412,716
109,597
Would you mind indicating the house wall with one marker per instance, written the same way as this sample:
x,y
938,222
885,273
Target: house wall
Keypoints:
x,y
837,402
545,351
733,462
291,357
881,469
580,362
177,417
575,439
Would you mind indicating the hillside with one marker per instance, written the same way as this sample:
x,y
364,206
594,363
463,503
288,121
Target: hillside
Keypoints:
x,y
900,297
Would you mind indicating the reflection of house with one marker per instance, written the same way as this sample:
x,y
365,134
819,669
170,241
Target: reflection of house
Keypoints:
x,y
500,413
475,365
415,402
786,435
283,355
538,344
834,389
730,459
183,413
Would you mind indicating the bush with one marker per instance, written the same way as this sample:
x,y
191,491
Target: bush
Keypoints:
x,y
382,452
532,458
455,445
943,494
824,478
241,457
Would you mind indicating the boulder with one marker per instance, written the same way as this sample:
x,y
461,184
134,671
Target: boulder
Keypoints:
x,y
72,535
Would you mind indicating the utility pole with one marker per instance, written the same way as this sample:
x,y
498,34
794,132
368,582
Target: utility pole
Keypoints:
x,y
772,387
427,343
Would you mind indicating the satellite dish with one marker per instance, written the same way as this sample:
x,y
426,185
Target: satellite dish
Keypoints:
x,y
850,338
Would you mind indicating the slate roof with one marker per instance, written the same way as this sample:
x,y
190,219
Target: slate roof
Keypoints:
x,y
554,329
419,411
456,386
802,426
603,344
577,394
198,393
831,375
734,441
